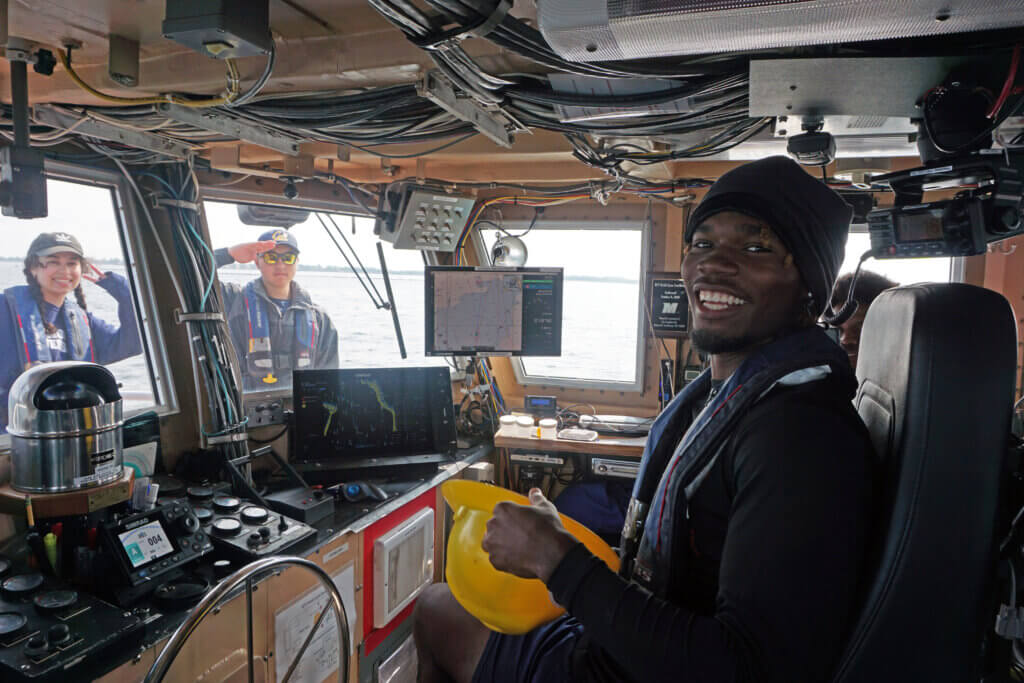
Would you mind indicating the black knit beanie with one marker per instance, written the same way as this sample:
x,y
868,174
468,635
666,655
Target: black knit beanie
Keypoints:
x,y
810,218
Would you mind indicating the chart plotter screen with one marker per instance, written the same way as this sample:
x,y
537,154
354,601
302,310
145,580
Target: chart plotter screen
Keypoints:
x,y
372,413
493,311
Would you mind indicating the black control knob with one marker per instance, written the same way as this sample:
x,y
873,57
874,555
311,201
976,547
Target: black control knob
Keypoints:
x,y
58,634
36,646
188,524
222,568
265,533
253,540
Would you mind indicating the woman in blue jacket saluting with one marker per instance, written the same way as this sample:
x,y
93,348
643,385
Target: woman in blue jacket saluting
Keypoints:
x,y
41,323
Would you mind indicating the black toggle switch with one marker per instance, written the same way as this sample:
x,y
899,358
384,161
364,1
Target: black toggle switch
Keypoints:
x,y
58,634
36,646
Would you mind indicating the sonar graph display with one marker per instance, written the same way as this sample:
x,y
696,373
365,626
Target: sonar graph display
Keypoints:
x,y
367,413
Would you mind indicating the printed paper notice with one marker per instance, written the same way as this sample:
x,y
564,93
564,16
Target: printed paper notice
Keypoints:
x,y
292,624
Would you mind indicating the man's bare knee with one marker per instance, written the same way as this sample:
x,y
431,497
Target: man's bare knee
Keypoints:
x,y
450,641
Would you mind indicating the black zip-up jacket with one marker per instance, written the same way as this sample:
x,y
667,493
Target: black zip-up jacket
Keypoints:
x,y
772,570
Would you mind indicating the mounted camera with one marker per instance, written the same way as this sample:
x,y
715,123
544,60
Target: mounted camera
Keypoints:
x,y
813,147
955,137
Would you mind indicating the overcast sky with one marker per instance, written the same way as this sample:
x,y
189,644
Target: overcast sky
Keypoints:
x,y
85,211
596,253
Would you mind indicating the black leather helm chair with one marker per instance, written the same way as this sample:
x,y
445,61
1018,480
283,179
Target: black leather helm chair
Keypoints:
x,y
936,371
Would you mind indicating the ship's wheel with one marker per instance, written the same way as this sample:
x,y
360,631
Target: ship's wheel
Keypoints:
x,y
247,576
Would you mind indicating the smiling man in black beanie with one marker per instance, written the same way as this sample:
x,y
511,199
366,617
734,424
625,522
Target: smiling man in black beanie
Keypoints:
x,y
746,534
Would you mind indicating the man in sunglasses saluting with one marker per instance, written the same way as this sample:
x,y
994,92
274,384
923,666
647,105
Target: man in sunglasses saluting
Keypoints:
x,y
275,326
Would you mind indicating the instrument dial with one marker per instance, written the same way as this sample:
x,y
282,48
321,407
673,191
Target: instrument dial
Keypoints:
x,y
227,526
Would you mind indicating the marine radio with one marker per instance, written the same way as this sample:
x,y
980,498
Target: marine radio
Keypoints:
x,y
149,547
987,210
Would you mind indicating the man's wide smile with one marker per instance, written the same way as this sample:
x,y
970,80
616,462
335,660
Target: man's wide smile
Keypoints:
x,y
715,299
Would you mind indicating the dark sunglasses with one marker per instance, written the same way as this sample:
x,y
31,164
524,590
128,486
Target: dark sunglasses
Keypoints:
x,y
271,257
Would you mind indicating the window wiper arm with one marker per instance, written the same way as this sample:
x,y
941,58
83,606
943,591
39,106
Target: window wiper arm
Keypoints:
x,y
391,301
375,295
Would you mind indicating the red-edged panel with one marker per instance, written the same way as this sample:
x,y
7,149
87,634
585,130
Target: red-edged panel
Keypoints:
x,y
373,637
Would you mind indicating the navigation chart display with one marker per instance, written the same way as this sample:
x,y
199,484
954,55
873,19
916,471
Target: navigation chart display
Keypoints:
x,y
379,412
492,311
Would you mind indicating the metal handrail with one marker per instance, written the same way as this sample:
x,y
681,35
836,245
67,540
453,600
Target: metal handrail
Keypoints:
x,y
245,575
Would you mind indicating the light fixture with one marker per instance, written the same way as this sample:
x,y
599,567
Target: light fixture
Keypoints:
x,y
509,252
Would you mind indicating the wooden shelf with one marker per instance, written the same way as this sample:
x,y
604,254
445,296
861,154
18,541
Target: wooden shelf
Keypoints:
x,y
78,502
605,445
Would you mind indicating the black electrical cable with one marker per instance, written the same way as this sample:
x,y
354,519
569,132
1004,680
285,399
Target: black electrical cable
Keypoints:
x,y
284,430
832,317
417,154
1007,112
261,81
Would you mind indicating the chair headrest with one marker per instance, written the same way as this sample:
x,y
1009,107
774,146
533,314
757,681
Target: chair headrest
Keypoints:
x,y
936,368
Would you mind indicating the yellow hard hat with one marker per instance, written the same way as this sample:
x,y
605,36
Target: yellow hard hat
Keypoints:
x,y
502,602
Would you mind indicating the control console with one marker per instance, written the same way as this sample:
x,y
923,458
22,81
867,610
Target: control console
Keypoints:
x,y
242,529
46,628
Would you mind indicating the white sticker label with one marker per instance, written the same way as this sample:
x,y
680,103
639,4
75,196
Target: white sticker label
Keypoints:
x,y
292,624
107,469
340,550
102,472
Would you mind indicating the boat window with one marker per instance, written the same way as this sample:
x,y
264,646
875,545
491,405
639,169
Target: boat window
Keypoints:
x,y
71,292
903,271
601,305
365,333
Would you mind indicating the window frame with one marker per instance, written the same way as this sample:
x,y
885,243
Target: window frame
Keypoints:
x,y
234,194
644,226
128,228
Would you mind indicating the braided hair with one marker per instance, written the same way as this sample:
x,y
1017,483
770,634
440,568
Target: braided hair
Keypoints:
x,y
31,261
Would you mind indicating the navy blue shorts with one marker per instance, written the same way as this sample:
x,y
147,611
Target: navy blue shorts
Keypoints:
x,y
544,655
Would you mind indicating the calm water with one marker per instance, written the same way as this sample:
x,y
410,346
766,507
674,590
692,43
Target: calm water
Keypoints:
x,y
598,335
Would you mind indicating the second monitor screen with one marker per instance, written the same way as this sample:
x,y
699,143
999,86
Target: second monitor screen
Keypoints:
x,y
377,412
482,311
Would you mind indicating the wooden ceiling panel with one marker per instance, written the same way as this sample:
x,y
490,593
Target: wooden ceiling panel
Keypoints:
x,y
363,51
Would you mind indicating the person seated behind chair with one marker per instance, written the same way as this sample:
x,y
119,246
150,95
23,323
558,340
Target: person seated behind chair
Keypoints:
x,y
869,286
275,326
43,323
756,483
